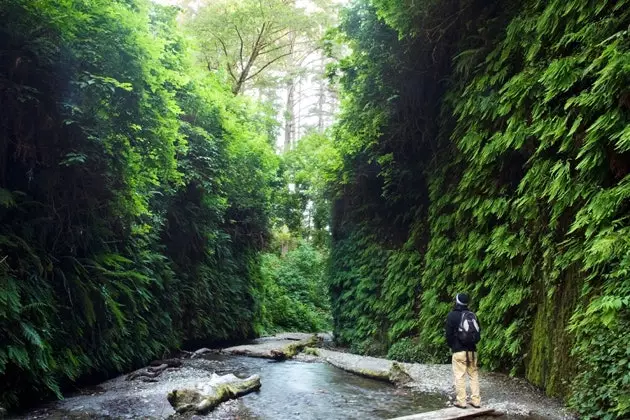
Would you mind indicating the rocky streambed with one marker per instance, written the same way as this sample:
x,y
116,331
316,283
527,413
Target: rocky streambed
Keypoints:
x,y
297,381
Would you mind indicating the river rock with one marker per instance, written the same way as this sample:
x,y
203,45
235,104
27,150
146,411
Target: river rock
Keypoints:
x,y
206,397
398,375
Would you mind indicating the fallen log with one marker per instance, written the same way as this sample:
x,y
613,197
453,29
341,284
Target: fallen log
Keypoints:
x,y
369,367
173,363
200,352
210,395
451,413
155,369
273,349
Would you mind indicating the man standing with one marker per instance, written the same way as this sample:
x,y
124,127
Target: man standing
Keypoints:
x,y
462,334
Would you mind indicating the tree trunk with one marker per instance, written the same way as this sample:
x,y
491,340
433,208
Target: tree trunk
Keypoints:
x,y
289,116
321,97
218,390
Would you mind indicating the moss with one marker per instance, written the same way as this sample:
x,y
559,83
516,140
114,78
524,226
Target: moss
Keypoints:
x,y
549,361
190,400
373,374
311,351
293,349
398,375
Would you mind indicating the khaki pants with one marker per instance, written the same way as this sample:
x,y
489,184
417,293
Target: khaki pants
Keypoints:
x,y
460,368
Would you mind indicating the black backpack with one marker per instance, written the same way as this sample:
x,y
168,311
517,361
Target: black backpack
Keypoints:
x,y
468,331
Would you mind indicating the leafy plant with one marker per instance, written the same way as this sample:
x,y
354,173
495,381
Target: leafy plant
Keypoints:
x,y
294,291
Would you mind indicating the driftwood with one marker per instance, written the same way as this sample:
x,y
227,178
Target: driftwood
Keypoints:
x,y
210,395
273,349
172,363
185,354
200,352
155,369
451,413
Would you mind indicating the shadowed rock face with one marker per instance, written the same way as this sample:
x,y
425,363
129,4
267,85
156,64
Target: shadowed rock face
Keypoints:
x,y
208,396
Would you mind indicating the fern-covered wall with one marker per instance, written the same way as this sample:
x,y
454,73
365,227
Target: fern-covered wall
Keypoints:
x,y
134,195
491,140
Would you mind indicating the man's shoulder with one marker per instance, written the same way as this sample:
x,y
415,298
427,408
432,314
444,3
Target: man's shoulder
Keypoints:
x,y
454,315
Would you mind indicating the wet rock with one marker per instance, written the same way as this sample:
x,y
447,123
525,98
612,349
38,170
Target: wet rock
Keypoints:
x,y
398,375
207,396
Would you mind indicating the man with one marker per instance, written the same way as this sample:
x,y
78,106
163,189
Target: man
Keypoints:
x,y
462,334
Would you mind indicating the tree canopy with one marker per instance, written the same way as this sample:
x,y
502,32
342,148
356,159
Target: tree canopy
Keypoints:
x,y
248,37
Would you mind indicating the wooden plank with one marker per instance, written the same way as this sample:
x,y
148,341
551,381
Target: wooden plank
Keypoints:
x,y
450,413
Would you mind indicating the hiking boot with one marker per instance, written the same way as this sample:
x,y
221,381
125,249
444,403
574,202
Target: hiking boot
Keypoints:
x,y
460,406
475,405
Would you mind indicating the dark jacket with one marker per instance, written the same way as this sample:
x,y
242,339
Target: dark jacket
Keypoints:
x,y
450,328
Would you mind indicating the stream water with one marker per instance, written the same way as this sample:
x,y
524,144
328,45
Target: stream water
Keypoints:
x,y
298,390
290,390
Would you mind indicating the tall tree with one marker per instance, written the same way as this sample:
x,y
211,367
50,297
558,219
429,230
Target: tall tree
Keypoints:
x,y
248,37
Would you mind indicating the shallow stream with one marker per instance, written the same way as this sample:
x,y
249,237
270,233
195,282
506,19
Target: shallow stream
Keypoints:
x,y
298,390
290,390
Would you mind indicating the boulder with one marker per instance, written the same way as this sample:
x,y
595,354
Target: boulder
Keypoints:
x,y
206,397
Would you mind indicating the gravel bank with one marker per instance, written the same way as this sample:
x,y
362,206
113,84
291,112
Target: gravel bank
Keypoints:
x,y
513,396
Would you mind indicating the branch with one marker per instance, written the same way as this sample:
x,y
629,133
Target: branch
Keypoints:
x,y
231,71
282,28
305,55
263,51
242,42
257,45
223,47
227,56
273,41
267,65
250,61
